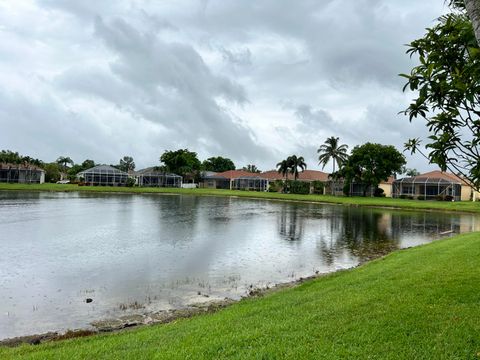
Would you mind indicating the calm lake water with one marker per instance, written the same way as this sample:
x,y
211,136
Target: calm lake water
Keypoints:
x,y
166,251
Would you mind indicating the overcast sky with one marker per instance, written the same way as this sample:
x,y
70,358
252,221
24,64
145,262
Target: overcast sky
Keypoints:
x,y
254,81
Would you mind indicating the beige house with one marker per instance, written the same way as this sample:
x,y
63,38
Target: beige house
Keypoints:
x,y
434,185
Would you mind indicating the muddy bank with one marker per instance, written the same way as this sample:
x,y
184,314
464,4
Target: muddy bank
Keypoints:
x,y
129,321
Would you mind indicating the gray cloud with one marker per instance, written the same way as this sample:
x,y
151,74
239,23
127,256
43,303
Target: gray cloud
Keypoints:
x,y
254,82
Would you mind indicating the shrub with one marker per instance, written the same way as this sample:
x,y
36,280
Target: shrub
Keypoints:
x,y
421,198
275,186
130,182
299,187
403,196
439,198
318,187
448,198
379,192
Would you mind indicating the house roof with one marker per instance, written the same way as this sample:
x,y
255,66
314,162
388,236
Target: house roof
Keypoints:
x,y
20,167
435,176
233,174
307,175
154,170
103,169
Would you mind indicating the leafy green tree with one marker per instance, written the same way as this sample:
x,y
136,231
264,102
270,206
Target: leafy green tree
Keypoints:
x,y
126,164
447,84
218,164
76,168
181,162
88,164
296,163
332,150
63,161
10,157
370,164
251,168
52,172
73,171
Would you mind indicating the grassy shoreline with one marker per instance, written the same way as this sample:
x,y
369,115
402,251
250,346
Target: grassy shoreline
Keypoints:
x,y
461,206
379,310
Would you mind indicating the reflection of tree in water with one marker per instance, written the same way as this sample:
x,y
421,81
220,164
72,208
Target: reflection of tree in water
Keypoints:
x,y
364,233
178,217
290,224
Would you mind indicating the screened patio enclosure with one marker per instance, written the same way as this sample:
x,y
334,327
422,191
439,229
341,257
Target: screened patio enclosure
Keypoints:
x,y
427,188
103,175
250,183
22,174
152,177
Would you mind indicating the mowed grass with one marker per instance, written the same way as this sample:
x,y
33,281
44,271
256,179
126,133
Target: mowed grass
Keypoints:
x,y
419,303
463,206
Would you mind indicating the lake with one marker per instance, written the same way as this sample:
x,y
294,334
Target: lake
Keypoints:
x,y
138,253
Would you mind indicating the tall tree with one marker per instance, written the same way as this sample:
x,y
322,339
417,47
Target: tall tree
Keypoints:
x,y
127,164
370,164
63,161
52,172
332,150
283,167
181,162
296,163
447,84
11,157
218,164
88,164
473,11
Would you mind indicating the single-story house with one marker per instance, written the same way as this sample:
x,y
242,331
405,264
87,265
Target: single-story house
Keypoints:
x,y
305,176
153,177
358,189
103,175
21,173
235,180
434,185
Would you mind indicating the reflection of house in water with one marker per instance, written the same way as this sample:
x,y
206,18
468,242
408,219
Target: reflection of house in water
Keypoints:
x,y
434,223
291,223
358,233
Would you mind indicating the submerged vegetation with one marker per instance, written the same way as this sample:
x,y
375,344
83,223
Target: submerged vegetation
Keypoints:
x,y
376,311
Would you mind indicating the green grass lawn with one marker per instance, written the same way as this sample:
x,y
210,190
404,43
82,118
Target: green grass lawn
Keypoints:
x,y
419,303
465,206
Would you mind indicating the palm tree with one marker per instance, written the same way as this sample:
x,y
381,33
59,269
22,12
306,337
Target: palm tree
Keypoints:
x,y
63,161
284,168
295,163
331,150
251,168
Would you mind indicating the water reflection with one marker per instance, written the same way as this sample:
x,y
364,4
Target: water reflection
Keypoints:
x,y
161,251
290,222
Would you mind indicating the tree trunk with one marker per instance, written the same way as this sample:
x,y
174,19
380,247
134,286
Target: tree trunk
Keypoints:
x,y
473,11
